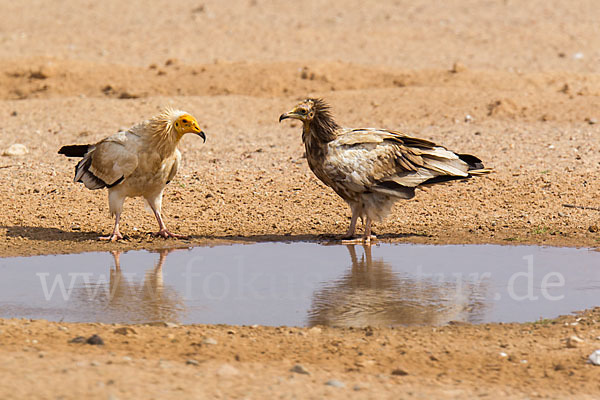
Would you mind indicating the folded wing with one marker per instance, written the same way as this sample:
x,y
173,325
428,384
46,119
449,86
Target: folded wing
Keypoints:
x,y
372,160
108,162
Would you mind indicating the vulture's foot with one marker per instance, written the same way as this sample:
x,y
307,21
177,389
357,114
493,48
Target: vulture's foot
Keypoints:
x,y
164,233
112,238
368,240
348,236
359,240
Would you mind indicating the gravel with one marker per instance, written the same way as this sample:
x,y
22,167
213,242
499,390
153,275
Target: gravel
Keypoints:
x,y
335,383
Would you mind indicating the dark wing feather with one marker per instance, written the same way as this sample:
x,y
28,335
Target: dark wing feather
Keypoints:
x,y
368,160
83,174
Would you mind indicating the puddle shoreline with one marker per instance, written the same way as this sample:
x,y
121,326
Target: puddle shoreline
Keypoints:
x,y
141,243
103,247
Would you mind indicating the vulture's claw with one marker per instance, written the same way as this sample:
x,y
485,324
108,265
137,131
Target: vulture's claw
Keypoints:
x,y
164,233
112,238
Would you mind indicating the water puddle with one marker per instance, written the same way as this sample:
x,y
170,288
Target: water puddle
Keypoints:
x,y
304,284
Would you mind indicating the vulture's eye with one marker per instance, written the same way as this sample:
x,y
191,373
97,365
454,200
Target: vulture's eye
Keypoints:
x,y
303,111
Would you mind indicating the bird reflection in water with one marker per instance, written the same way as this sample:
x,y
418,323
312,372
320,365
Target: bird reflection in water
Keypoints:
x,y
372,294
126,299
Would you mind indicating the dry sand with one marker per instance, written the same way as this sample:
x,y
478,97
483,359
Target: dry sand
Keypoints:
x,y
527,74
452,362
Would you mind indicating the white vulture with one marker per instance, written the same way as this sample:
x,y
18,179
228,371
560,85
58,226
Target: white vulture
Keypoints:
x,y
370,168
138,162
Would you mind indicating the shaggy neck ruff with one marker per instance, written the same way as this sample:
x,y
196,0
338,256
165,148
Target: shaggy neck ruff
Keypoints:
x,y
321,127
162,132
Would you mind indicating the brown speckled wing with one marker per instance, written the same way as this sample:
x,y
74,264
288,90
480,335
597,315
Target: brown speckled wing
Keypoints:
x,y
367,160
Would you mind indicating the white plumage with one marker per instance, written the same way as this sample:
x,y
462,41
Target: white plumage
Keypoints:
x,y
138,162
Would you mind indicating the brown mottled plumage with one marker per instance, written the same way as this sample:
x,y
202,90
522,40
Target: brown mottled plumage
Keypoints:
x,y
372,168
137,162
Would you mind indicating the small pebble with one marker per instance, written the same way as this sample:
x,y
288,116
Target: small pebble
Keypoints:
x,y
15,150
126,331
335,383
95,340
574,341
592,121
595,357
126,358
458,67
95,364
209,341
192,362
503,354
171,325
399,372
299,369
78,339
75,227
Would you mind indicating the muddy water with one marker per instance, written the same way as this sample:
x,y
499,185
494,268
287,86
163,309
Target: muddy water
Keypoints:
x,y
303,284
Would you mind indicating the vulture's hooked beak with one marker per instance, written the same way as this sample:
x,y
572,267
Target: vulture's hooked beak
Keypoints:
x,y
202,135
284,116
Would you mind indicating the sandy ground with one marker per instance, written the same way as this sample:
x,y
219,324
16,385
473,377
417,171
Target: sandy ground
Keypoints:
x,y
516,83
534,360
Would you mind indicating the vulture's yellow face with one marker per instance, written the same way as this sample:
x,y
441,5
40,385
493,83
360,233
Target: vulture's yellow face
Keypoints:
x,y
188,124
304,111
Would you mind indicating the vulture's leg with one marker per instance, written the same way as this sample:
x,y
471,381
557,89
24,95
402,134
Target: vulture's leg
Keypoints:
x,y
156,205
115,206
368,237
116,235
164,232
348,238
355,214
